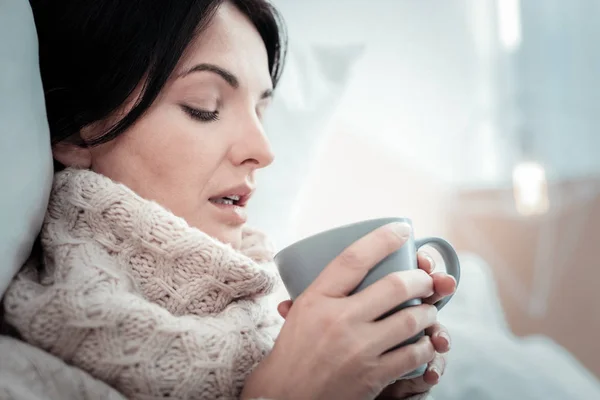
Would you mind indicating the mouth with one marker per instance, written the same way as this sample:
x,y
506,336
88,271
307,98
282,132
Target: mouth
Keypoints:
x,y
237,197
230,205
231,200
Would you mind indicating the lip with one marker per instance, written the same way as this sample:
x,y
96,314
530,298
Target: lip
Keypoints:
x,y
243,191
233,214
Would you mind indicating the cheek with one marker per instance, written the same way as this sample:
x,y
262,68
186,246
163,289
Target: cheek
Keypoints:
x,y
165,157
169,141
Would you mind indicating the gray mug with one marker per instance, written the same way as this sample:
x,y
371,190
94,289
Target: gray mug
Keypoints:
x,y
300,263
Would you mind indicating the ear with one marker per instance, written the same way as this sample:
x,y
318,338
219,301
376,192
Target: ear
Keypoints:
x,y
72,155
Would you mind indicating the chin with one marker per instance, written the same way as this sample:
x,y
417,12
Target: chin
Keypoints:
x,y
231,236
224,233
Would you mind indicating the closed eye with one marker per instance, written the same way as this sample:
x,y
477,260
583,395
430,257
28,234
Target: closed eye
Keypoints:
x,y
201,115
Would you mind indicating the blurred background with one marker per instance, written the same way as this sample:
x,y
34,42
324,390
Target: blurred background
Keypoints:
x,y
477,119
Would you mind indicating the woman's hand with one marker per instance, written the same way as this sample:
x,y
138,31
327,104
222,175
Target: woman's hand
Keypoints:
x,y
333,346
444,285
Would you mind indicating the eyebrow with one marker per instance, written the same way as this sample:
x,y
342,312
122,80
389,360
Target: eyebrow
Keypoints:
x,y
227,76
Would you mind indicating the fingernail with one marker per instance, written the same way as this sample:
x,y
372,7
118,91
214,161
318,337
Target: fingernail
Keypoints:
x,y
435,371
433,311
430,260
444,336
402,229
454,279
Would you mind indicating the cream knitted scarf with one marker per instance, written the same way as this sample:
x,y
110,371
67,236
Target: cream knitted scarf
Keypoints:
x,y
133,295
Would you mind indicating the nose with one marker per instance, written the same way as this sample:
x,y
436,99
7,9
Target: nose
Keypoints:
x,y
252,146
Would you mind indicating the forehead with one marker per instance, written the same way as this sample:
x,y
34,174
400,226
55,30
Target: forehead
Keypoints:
x,y
232,42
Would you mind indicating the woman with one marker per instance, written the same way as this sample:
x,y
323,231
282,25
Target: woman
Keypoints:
x,y
148,278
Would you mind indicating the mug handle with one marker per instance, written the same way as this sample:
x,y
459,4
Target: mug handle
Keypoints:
x,y
450,259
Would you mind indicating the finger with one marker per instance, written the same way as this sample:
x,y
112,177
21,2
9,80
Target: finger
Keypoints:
x,y
284,308
439,337
443,284
407,387
435,370
399,362
401,326
348,269
425,262
420,384
385,294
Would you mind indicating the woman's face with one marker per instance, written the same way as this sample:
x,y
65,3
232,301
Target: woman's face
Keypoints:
x,y
197,148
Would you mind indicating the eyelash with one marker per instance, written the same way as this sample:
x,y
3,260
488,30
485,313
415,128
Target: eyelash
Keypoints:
x,y
201,115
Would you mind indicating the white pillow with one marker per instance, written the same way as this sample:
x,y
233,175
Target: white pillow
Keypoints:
x,y
305,101
25,156
489,362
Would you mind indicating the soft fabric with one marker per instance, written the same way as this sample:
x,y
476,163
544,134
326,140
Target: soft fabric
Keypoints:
x,y
488,361
25,159
28,373
131,294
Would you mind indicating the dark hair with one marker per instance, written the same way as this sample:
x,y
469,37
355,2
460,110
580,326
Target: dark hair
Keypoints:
x,y
94,53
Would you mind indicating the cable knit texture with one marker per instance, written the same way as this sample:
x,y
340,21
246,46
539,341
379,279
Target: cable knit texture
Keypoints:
x,y
140,300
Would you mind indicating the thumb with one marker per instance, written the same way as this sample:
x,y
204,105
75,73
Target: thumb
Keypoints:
x,y
284,308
